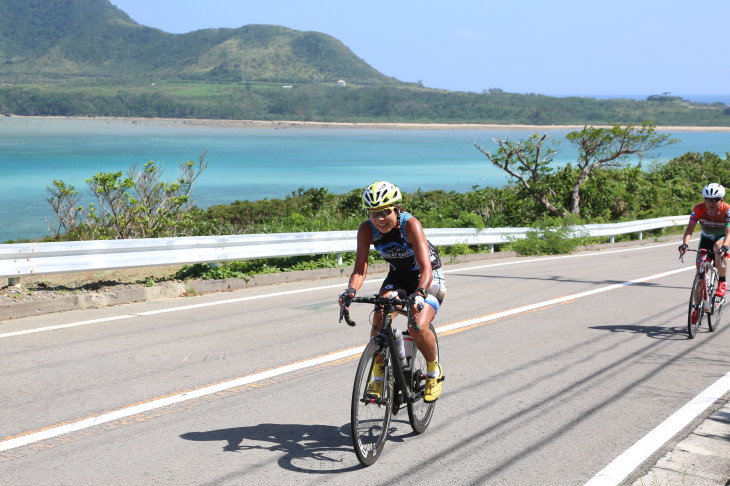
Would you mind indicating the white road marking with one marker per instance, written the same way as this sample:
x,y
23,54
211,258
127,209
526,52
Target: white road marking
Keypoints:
x,y
171,400
65,326
309,289
525,308
56,431
624,464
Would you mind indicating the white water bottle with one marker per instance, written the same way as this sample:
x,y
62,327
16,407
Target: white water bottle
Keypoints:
x,y
400,348
408,341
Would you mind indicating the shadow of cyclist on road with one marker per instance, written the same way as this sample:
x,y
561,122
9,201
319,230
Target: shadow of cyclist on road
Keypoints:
x,y
654,332
300,443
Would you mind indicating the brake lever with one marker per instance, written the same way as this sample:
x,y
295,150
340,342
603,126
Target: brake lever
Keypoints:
x,y
345,312
411,321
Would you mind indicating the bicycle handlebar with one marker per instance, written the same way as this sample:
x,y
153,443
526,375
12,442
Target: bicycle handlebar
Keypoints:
x,y
377,300
703,251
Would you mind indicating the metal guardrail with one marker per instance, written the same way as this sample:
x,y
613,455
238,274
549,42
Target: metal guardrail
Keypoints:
x,y
23,259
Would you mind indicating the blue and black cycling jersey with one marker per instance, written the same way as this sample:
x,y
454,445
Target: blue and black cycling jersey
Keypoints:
x,y
396,250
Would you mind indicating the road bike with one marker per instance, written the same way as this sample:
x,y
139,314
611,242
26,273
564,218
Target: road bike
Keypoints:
x,y
703,299
403,385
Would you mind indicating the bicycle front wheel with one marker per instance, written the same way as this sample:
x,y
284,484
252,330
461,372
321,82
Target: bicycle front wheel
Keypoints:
x,y
696,305
420,412
370,418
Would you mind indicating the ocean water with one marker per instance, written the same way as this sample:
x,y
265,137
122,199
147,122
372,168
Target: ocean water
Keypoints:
x,y
254,163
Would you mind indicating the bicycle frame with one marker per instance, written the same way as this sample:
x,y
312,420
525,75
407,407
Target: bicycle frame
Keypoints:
x,y
385,336
703,300
403,386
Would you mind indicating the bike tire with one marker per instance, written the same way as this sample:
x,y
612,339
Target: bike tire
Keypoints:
x,y
713,318
698,288
713,321
420,413
370,420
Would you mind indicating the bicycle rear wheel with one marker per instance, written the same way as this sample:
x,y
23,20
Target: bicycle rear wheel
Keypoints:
x,y
370,419
420,412
714,320
696,302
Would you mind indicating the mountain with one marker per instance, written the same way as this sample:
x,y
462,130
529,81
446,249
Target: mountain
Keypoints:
x,y
93,38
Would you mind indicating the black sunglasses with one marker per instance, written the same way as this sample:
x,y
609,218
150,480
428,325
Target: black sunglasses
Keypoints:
x,y
382,213
713,199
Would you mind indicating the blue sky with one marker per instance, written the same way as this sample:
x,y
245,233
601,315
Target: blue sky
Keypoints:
x,y
559,47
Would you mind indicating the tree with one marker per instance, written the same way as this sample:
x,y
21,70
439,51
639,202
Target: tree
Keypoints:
x,y
64,201
529,163
140,205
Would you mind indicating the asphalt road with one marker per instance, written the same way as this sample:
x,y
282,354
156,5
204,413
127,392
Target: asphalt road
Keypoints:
x,y
554,366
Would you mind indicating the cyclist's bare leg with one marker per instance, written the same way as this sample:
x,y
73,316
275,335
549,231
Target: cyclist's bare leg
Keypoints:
x,y
721,269
425,340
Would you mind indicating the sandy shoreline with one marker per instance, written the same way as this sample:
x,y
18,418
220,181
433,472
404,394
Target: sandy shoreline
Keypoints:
x,y
344,125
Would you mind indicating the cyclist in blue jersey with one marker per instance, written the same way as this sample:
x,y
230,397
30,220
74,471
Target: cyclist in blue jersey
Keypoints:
x,y
415,267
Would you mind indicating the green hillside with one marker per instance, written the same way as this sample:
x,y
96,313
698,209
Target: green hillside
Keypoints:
x,y
92,38
88,58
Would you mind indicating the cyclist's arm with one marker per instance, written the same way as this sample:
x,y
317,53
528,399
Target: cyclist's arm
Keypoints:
x,y
690,228
364,240
726,240
417,239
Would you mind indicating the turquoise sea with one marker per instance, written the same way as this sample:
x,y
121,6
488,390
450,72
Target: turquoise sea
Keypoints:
x,y
254,163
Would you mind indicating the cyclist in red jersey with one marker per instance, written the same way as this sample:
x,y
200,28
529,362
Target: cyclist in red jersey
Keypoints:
x,y
714,217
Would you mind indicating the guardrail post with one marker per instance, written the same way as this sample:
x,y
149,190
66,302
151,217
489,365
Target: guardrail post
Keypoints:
x,y
641,235
491,248
611,240
339,258
14,281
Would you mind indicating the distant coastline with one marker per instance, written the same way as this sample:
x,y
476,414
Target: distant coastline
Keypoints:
x,y
281,124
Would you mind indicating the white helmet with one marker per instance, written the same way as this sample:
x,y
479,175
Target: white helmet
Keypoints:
x,y
713,190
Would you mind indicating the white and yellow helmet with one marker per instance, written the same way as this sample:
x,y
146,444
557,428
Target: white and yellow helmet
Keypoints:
x,y
379,194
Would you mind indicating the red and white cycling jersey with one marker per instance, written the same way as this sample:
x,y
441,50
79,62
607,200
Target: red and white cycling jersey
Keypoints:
x,y
713,225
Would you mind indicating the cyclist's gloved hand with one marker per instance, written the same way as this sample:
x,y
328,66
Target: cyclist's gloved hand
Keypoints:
x,y
347,294
418,298
683,249
724,250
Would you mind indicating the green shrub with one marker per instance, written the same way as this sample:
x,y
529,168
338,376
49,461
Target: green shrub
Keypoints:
x,y
550,235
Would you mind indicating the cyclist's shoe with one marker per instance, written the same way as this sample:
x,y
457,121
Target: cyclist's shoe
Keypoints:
x,y
433,386
695,314
721,289
375,387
